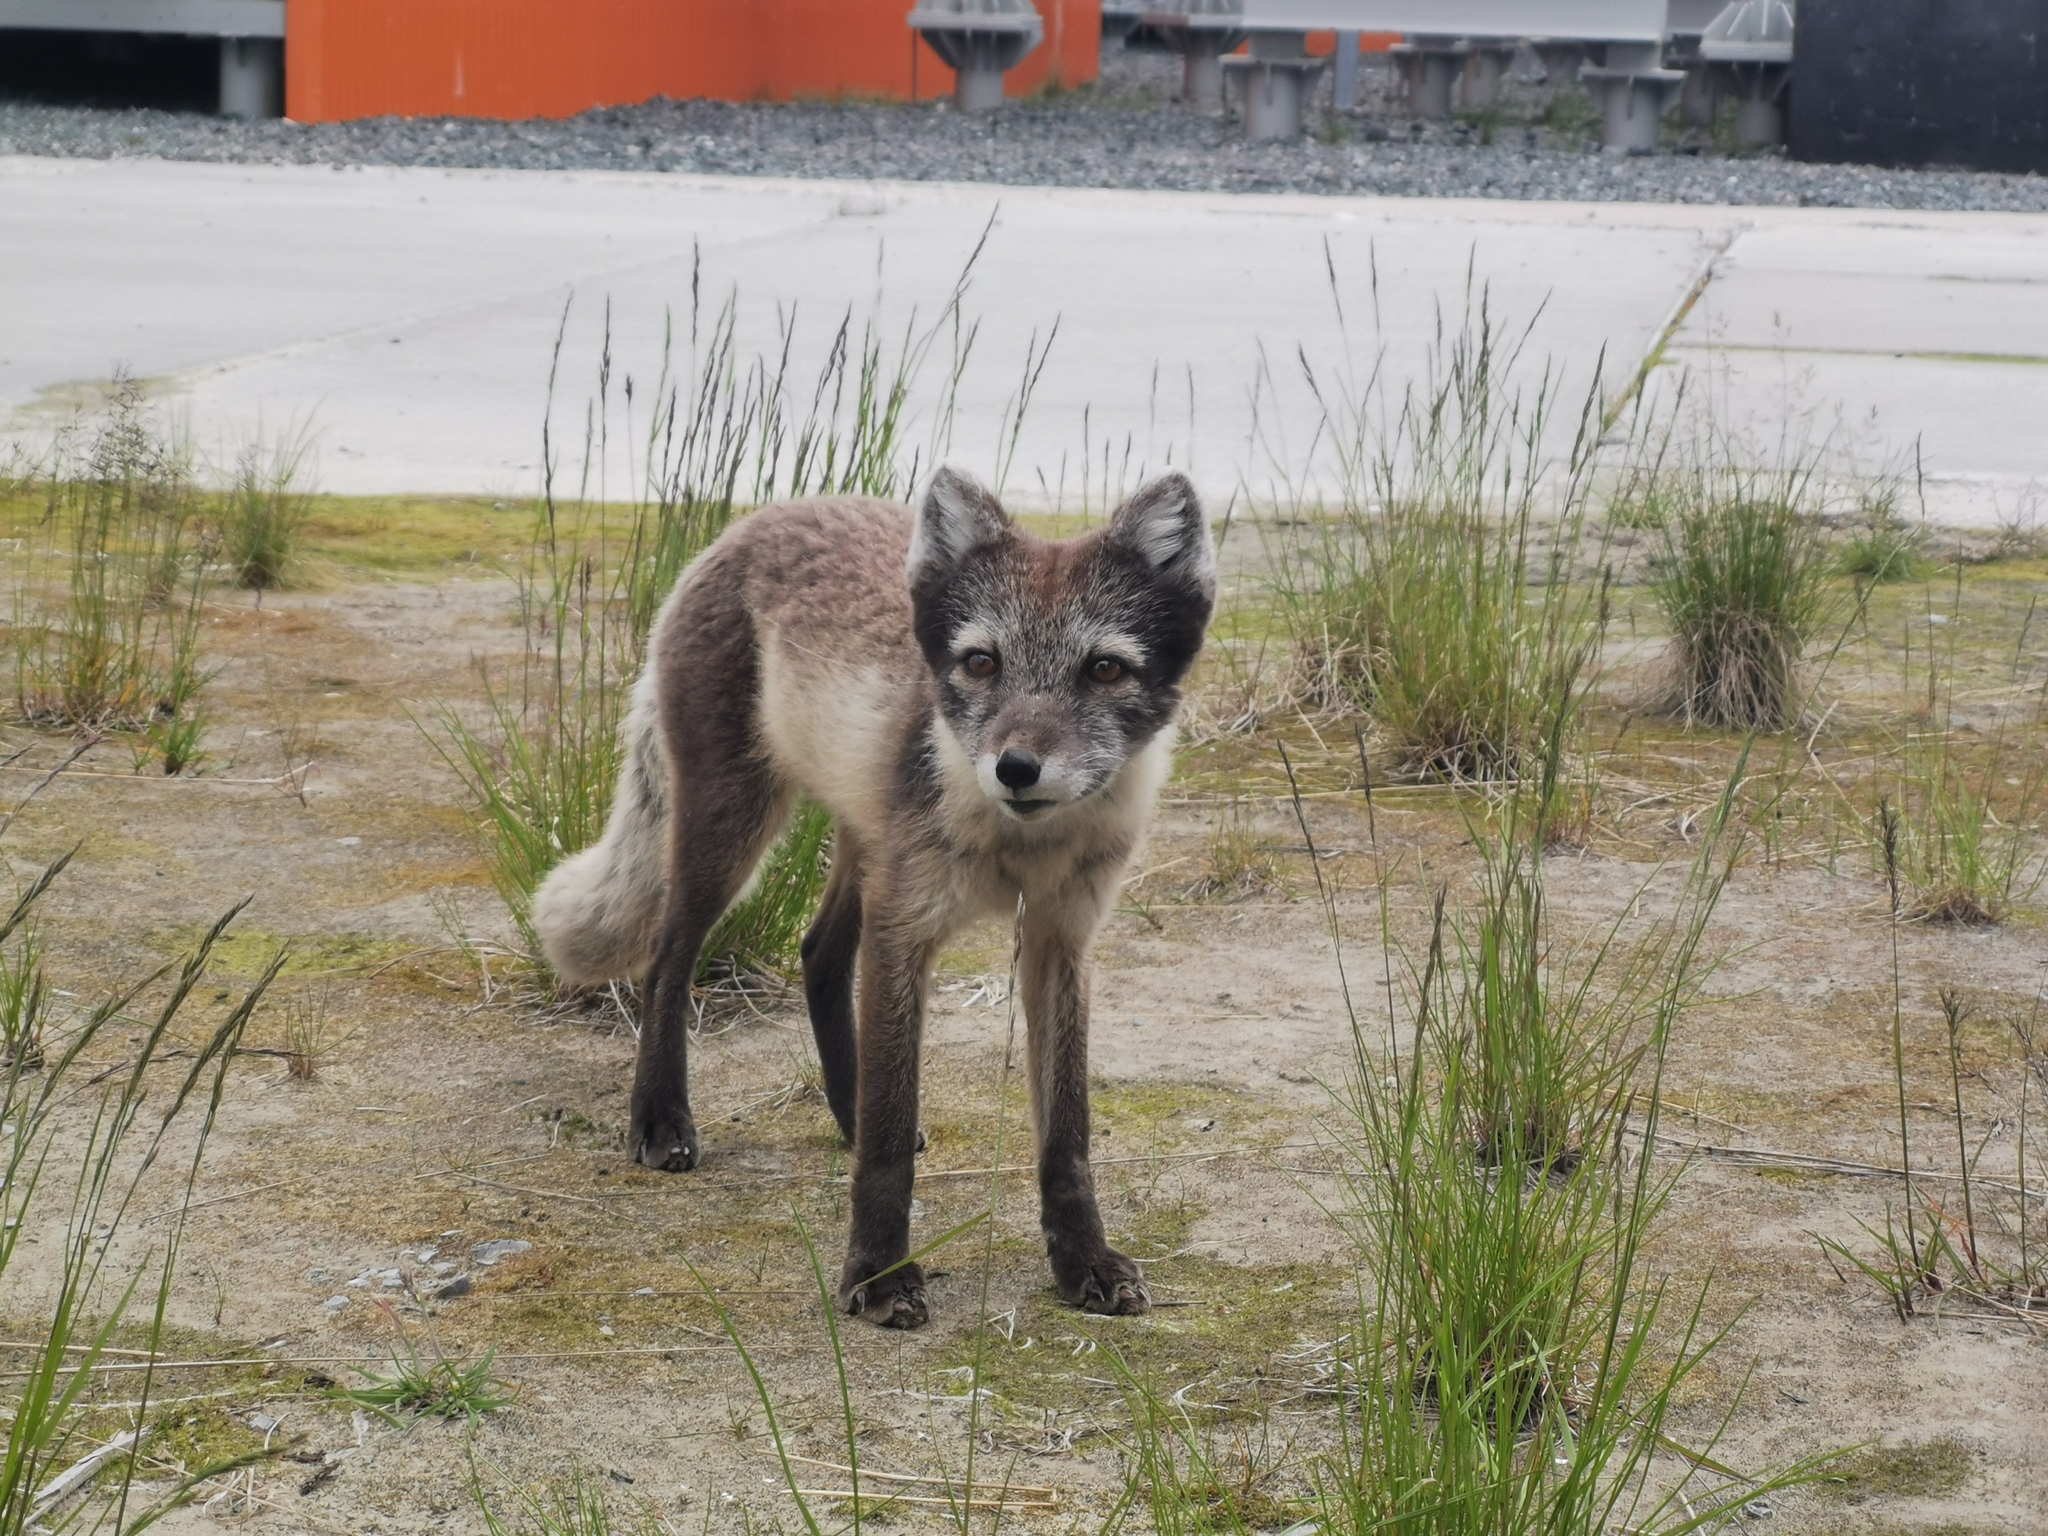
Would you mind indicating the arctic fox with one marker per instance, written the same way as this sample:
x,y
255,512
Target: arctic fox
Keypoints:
x,y
987,716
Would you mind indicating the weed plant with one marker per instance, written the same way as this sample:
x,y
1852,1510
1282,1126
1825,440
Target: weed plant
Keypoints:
x,y
575,1506
728,434
1571,116
1241,863
1437,604
262,514
1960,1237
1743,581
1882,547
113,643
307,1035
1960,845
1961,861
440,1388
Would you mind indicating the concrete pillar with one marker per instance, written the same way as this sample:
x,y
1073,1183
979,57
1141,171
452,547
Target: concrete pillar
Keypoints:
x,y
1699,99
1560,60
1432,70
1485,68
978,88
1759,122
1633,89
251,77
1201,81
1278,77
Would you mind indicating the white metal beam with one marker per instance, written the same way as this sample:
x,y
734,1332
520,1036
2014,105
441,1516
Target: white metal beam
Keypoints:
x,y
1617,21
191,18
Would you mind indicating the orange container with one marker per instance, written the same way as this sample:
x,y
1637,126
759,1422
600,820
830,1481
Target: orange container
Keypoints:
x,y
555,58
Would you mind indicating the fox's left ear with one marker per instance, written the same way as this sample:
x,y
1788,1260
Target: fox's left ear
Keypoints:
x,y
1164,526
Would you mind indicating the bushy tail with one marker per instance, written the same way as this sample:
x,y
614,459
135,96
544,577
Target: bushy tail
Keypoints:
x,y
597,911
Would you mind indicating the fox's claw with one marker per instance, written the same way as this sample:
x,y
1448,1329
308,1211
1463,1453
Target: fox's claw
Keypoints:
x,y
669,1143
893,1300
1111,1286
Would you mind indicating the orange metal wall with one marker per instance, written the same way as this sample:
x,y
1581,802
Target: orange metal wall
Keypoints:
x,y
554,58
1320,43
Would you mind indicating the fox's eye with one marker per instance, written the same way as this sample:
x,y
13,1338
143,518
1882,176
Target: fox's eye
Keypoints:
x,y
1105,669
978,664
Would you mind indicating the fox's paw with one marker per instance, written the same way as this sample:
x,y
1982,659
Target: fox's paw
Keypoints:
x,y
1108,1284
892,1300
666,1141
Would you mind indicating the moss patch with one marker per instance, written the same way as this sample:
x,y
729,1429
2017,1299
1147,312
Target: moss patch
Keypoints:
x,y
1916,1468
250,953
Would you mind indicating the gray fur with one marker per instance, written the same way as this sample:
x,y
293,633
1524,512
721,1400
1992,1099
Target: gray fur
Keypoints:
x,y
597,910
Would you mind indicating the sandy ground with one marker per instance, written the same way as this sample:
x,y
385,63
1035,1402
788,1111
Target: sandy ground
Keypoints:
x,y
446,1114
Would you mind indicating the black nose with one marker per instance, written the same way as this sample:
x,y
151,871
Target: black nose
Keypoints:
x,y
1017,770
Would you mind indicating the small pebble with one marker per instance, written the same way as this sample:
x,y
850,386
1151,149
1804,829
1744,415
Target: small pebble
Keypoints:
x,y
335,1303
499,1248
1758,1509
449,1290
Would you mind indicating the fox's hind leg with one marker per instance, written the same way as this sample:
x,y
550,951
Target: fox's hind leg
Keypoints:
x,y
725,822
726,804
829,951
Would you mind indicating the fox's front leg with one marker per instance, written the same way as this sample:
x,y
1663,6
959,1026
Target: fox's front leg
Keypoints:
x,y
877,1283
1054,977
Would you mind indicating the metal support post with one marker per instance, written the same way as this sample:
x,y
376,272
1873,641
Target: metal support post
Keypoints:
x,y
1344,82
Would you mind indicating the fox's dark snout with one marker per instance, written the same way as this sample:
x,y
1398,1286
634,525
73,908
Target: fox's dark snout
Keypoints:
x,y
1016,769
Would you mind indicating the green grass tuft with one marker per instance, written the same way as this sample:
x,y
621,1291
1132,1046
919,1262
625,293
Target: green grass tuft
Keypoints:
x,y
263,514
437,1389
1742,580
1438,605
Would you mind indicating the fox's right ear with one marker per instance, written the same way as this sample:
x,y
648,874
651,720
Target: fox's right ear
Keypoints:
x,y
957,515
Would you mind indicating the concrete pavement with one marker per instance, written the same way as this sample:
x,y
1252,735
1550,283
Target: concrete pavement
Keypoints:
x,y
407,318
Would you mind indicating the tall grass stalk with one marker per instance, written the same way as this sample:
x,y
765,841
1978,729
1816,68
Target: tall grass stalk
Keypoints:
x,y
113,641
95,1285
722,434
1446,602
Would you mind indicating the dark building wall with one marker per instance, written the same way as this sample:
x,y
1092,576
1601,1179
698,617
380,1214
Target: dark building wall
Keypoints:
x,y
1922,82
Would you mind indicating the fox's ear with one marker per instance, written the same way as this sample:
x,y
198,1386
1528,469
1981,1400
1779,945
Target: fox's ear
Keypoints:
x,y
957,515
1164,526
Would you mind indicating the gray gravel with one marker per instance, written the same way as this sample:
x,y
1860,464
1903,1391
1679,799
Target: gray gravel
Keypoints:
x,y
1126,131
